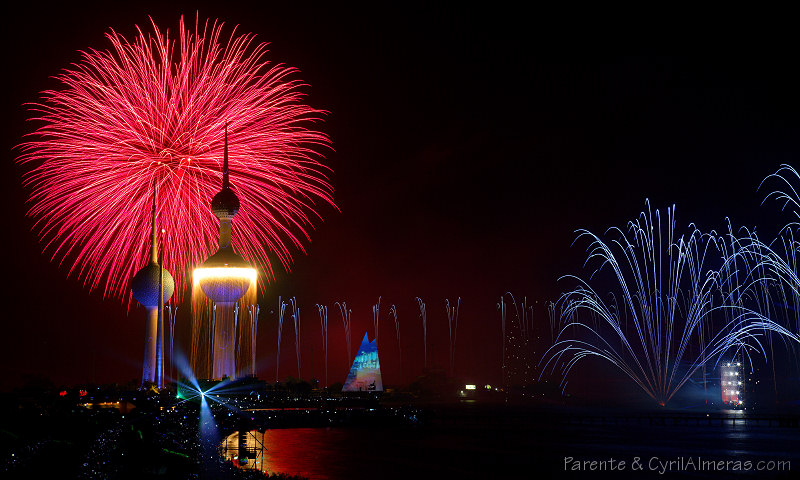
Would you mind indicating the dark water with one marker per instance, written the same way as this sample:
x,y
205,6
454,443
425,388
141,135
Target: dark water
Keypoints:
x,y
535,448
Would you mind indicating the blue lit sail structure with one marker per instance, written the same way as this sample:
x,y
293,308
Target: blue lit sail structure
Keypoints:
x,y
365,374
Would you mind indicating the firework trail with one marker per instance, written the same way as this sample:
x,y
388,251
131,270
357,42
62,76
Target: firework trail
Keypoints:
x,y
516,346
254,310
751,270
774,286
790,264
346,322
393,313
323,323
296,319
526,327
424,316
786,192
666,290
552,316
281,311
149,113
780,263
452,326
376,310
526,321
764,280
502,307
784,264
237,335
172,314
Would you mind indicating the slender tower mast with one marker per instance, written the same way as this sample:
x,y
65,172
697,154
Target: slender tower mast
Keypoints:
x,y
152,286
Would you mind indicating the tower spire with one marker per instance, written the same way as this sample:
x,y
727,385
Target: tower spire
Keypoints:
x,y
153,235
225,181
225,203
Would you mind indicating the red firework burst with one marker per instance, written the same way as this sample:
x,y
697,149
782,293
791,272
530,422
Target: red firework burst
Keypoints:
x,y
148,115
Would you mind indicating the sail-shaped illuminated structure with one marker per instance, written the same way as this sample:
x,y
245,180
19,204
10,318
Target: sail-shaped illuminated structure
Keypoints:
x,y
365,374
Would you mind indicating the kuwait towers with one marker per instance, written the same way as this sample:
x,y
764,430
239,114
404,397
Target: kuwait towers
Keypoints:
x,y
151,284
224,314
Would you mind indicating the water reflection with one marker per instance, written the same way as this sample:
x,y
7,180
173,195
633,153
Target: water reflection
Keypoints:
x,y
245,450
498,448
307,452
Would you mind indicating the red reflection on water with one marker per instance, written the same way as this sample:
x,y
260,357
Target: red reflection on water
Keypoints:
x,y
314,453
302,451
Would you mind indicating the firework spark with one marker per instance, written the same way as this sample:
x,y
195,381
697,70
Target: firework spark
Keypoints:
x,y
423,315
516,339
775,278
323,323
376,311
393,313
502,307
346,324
661,322
296,320
281,311
149,113
452,328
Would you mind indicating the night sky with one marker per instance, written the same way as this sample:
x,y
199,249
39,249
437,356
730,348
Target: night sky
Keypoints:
x,y
469,145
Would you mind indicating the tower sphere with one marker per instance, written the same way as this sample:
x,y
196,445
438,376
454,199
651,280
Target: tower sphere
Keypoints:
x,y
145,285
225,204
225,277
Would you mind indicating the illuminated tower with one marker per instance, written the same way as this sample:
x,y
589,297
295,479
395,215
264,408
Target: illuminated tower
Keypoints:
x,y
224,278
146,286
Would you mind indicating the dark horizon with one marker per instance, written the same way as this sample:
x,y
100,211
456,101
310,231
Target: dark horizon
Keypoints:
x,y
468,146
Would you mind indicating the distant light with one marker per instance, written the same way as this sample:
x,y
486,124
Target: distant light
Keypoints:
x,y
488,387
469,387
738,364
